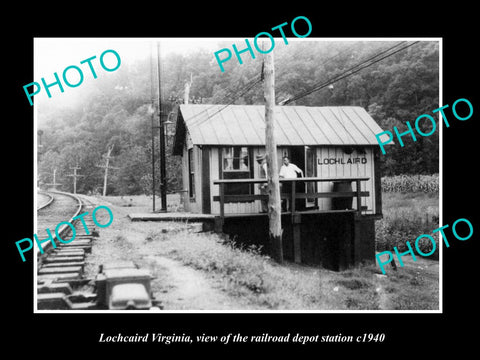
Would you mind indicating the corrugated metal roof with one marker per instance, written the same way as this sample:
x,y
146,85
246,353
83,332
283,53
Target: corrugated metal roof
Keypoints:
x,y
294,125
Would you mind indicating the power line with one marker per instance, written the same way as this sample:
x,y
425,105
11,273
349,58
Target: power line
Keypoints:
x,y
323,63
245,90
353,70
250,84
337,77
232,98
258,78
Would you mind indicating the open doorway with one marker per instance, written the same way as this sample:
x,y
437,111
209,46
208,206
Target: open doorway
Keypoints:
x,y
297,157
305,158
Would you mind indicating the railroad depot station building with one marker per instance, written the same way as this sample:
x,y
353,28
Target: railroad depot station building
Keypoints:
x,y
335,204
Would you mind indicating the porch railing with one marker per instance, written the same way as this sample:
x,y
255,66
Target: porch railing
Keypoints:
x,y
293,195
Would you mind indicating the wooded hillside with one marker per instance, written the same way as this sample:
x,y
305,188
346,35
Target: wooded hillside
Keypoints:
x,y
116,110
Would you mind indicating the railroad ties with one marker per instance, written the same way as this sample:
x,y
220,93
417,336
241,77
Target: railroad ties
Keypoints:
x,y
61,271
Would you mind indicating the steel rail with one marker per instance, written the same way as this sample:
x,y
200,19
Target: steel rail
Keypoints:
x,y
46,247
47,203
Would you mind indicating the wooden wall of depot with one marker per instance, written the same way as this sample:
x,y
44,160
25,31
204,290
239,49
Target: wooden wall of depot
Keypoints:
x,y
206,158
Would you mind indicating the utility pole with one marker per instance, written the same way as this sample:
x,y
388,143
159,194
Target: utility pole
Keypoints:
x,y
106,167
188,85
274,204
39,145
161,119
75,175
153,128
54,184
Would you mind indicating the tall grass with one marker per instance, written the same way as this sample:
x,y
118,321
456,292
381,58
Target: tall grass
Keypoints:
x,y
406,217
411,183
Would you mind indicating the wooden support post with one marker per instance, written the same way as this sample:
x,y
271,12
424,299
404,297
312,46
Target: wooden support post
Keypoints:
x,y
219,220
292,198
296,225
296,221
218,225
359,198
222,202
274,204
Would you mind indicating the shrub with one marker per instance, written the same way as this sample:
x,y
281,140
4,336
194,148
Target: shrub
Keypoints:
x,y
406,216
396,230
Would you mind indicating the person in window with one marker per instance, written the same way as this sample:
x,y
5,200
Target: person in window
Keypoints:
x,y
228,164
228,159
244,163
262,161
288,171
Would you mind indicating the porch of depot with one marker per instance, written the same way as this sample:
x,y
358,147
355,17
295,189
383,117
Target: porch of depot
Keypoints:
x,y
293,195
335,236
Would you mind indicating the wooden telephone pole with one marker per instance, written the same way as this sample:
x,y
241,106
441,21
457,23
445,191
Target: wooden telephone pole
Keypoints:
x,y
161,118
54,184
274,204
106,167
75,175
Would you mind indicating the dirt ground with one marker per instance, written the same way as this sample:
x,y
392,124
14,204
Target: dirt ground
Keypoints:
x,y
177,286
183,288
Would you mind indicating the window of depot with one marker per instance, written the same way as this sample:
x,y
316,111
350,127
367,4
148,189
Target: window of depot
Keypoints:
x,y
191,174
237,164
236,158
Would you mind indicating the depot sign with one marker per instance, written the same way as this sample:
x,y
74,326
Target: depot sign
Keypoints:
x,y
342,161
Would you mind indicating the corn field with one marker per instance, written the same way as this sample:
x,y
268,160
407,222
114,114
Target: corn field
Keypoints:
x,y
411,183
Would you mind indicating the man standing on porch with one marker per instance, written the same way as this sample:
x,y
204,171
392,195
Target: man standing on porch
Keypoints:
x,y
262,161
288,171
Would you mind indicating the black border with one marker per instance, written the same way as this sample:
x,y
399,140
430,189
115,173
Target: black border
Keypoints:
x,y
409,333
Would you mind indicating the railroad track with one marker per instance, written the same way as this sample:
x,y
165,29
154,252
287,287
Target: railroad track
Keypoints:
x,y
60,268
60,207
44,199
61,281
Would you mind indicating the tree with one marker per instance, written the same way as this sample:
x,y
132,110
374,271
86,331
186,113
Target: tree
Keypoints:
x,y
115,110
134,165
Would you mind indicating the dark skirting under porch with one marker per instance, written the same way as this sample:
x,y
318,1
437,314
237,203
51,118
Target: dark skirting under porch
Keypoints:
x,y
335,241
